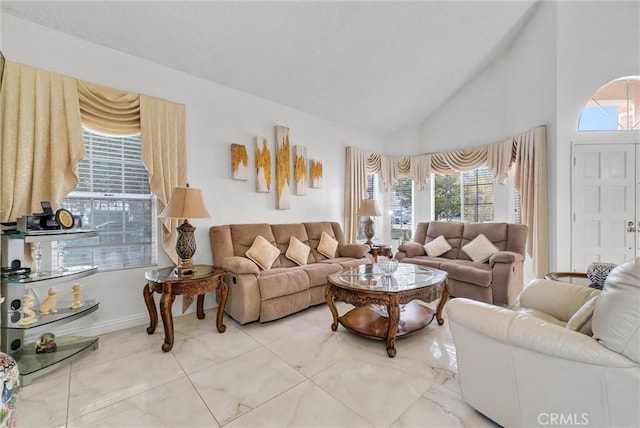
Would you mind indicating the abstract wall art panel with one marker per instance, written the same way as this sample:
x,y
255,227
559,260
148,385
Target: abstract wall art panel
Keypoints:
x,y
283,168
239,162
263,166
300,170
315,171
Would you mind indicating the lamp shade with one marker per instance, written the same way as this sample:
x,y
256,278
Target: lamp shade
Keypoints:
x,y
368,207
185,202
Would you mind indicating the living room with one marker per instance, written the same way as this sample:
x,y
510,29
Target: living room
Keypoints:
x,y
553,60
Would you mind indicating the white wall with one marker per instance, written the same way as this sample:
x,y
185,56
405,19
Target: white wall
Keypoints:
x,y
216,117
597,42
563,54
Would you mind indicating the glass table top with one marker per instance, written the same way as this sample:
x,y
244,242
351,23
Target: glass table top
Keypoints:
x,y
407,277
169,274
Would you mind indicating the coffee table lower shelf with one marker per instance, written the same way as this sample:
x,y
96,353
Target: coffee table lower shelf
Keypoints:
x,y
368,322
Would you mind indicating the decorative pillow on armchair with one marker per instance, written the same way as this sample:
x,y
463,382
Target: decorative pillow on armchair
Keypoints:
x,y
262,253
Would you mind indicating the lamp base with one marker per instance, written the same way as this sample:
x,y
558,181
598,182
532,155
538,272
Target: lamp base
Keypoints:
x,y
368,231
184,269
185,248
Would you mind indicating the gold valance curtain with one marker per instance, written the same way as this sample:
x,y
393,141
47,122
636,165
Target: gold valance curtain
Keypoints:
x,y
41,128
526,151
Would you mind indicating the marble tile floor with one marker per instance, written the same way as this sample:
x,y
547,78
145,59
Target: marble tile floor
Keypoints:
x,y
293,372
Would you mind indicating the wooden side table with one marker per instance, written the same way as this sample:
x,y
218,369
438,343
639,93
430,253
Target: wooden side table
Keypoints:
x,y
205,279
380,250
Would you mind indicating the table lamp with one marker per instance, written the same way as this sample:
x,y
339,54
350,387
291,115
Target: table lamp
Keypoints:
x,y
185,202
369,208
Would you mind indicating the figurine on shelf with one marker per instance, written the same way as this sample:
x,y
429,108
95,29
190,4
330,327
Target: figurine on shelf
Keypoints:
x,y
76,292
49,305
28,316
47,344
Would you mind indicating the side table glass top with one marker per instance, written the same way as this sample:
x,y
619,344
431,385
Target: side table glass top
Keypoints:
x,y
168,274
407,277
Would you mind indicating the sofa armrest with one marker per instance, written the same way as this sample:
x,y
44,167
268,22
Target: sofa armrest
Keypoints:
x,y
412,249
527,332
558,299
356,251
239,265
505,257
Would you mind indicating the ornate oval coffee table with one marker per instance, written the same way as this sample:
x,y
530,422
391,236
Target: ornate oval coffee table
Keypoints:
x,y
384,304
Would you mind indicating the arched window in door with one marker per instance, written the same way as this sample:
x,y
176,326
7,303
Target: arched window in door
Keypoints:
x,y
613,107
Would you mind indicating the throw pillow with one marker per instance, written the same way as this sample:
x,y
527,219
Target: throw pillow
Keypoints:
x,y
262,253
581,320
327,246
437,247
480,249
298,251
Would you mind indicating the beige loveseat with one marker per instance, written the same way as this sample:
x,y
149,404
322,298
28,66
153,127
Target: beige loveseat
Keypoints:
x,y
286,287
499,279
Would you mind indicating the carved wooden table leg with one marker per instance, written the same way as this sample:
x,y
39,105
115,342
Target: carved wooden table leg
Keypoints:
x,y
166,302
200,306
443,301
328,296
223,289
151,308
393,311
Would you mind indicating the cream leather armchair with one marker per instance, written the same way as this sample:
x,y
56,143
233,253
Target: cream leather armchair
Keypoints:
x,y
530,367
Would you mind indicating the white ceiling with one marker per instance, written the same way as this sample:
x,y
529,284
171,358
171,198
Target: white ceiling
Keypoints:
x,y
376,66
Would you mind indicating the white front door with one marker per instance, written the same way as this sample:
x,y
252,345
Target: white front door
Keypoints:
x,y
605,198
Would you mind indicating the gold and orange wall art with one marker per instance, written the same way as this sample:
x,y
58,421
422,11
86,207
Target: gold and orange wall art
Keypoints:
x,y
283,168
239,162
300,170
263,166
315,171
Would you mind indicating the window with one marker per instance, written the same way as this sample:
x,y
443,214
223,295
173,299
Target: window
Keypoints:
x,y
613,107
466,196
401,207
113,197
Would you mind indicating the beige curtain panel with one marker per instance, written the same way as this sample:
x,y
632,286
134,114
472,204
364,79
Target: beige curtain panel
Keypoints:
x,y
41,139
164,153
41,128
526,151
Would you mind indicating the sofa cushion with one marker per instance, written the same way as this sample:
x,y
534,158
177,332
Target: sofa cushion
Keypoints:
x,y
282,282
282,234
496,233
318,272
437,247
480,249
297,251
451,231
243,235
581,320
357,251
616,317
467,271
433,262
412,249
327,246
263,253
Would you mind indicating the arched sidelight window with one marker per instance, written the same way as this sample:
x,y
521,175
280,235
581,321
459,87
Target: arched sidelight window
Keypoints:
x,y
613,107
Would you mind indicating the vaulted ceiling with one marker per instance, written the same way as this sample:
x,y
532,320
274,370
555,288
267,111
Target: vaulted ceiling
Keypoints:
x,y
376,66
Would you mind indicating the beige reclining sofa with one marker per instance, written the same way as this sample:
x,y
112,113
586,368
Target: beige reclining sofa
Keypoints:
x,y
497,279
284,287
